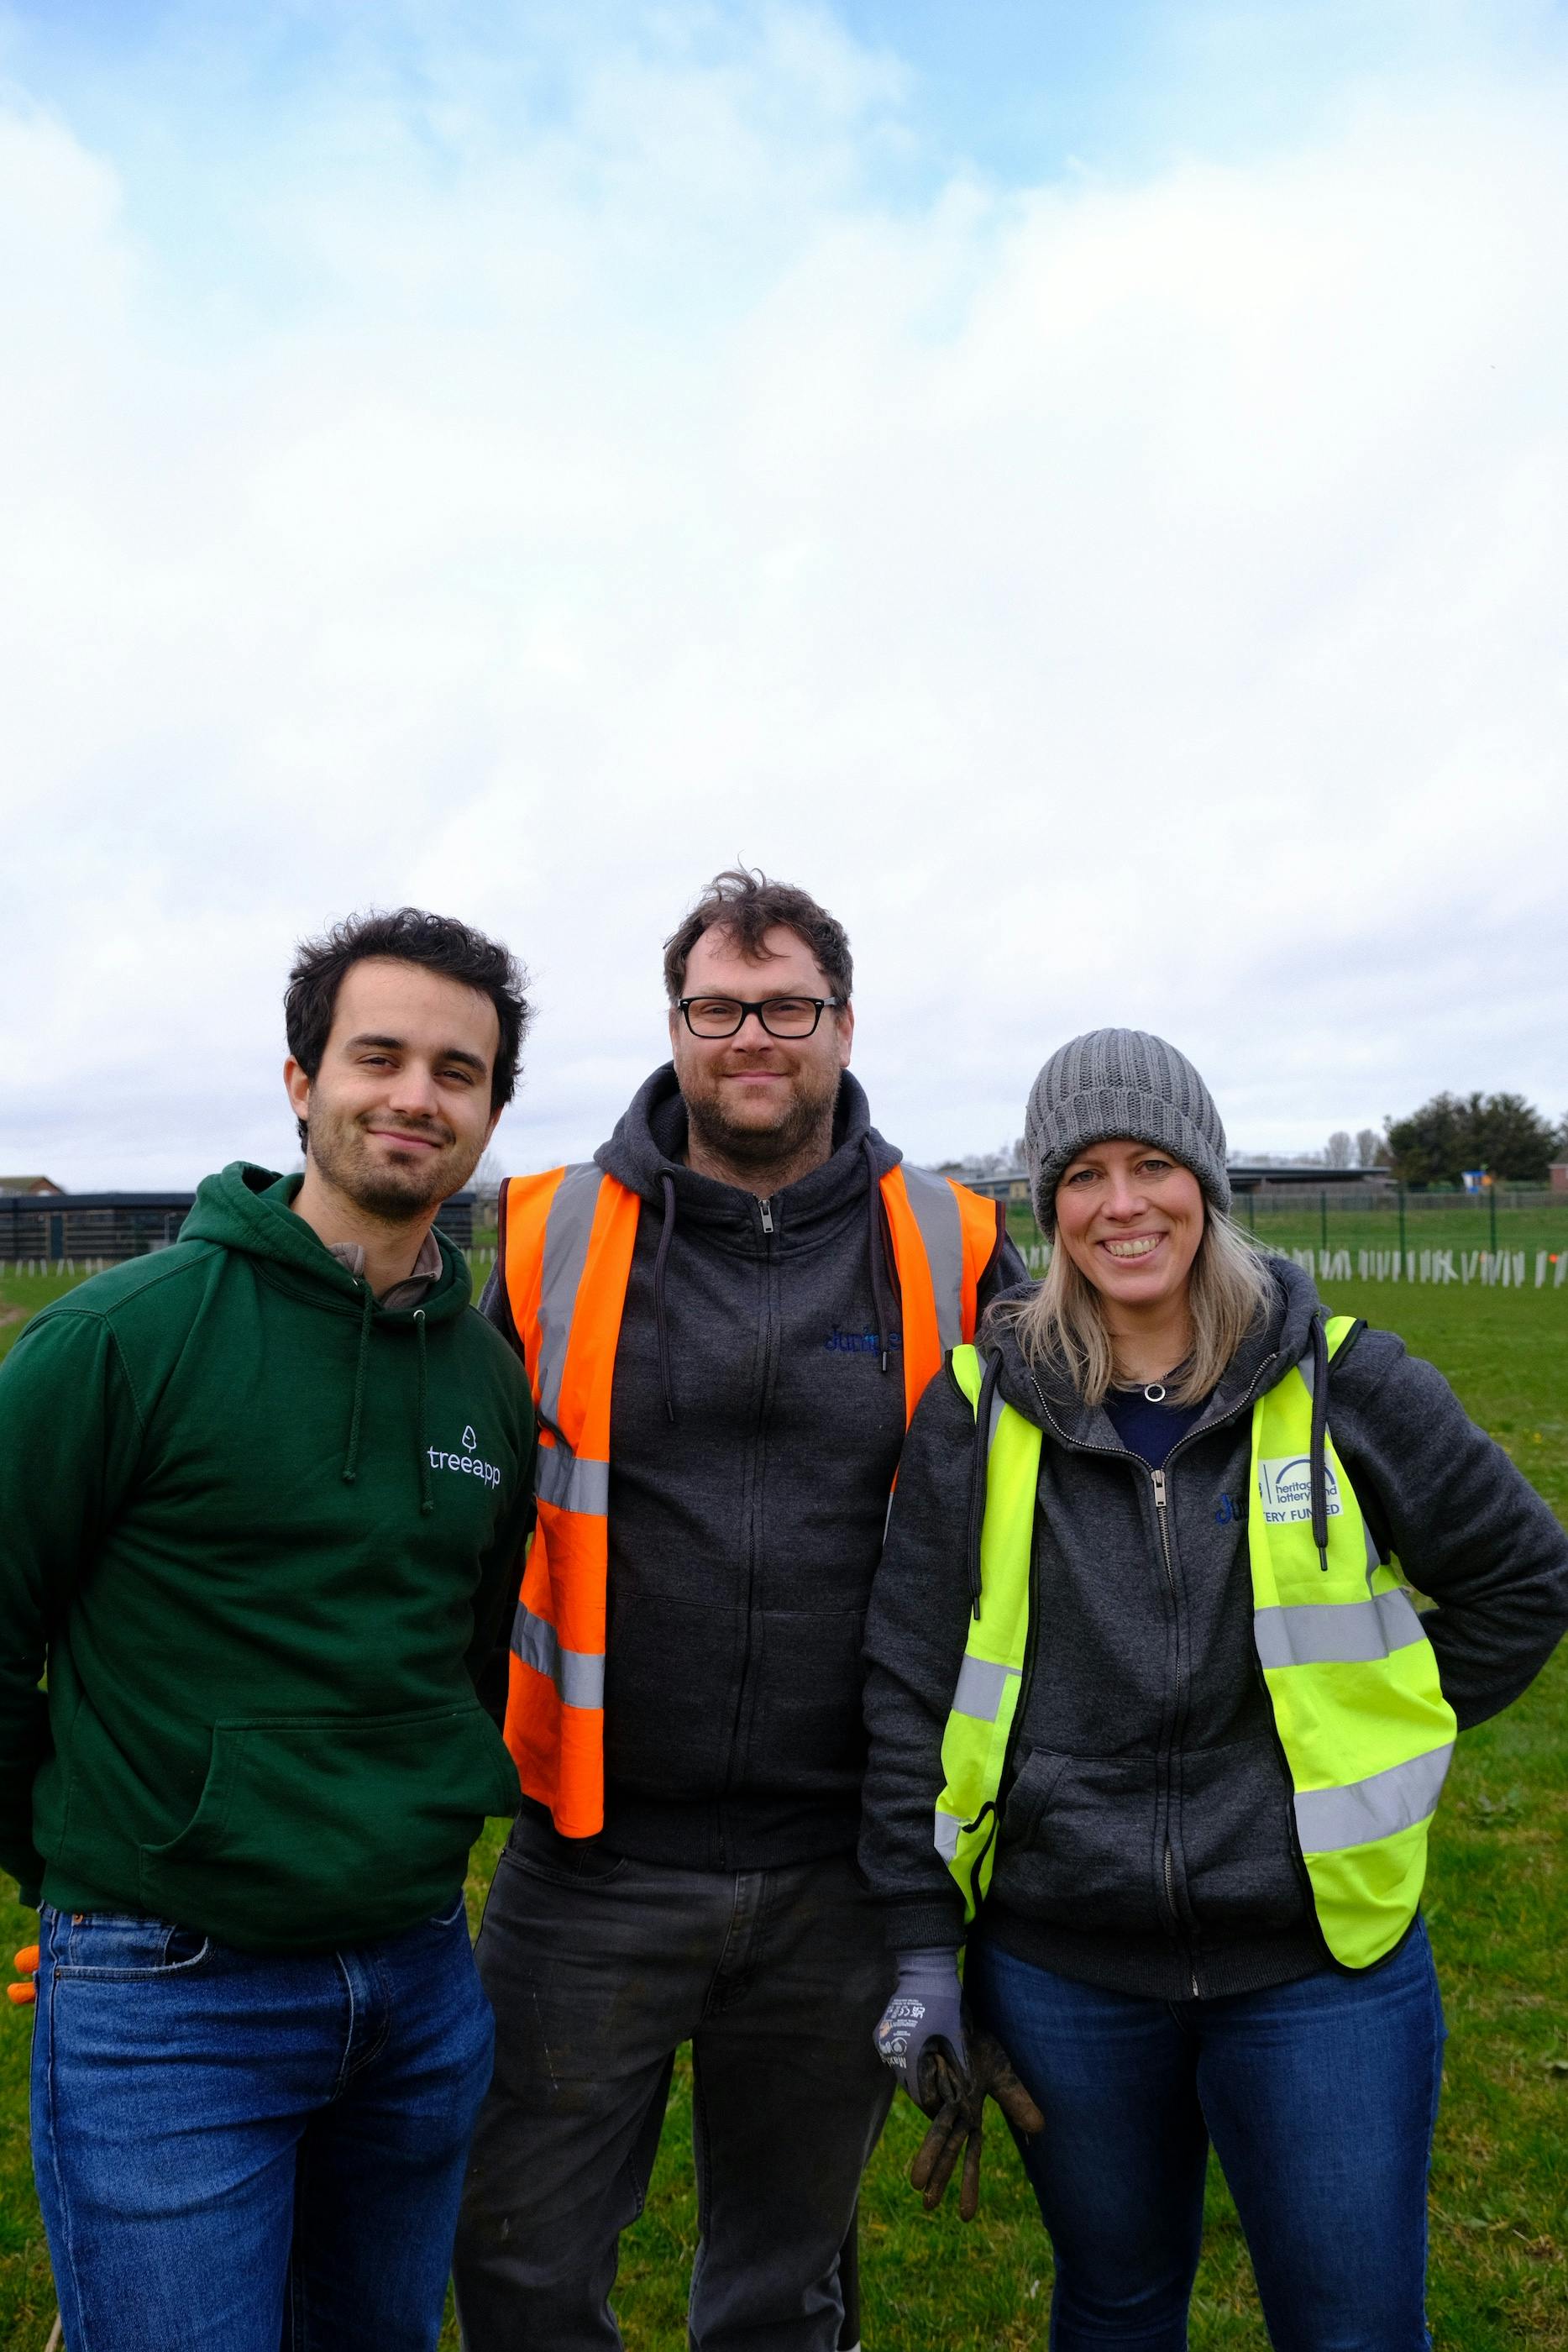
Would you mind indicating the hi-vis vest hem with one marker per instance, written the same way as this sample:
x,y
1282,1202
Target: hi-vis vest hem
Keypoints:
x,y
567,1245
1358,1707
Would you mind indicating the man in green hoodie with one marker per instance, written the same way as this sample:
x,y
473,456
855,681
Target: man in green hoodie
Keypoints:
x,y
262,1502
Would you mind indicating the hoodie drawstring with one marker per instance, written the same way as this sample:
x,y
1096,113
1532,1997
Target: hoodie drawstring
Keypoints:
x,y
662,1329
351,1459
1317,1454
980,1467
426,1492
881,1288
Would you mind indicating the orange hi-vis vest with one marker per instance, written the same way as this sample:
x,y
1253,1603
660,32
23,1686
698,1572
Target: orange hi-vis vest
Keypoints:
x,y
568,1236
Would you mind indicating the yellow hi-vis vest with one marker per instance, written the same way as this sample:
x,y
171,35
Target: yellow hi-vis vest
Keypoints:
x,y
1352,1678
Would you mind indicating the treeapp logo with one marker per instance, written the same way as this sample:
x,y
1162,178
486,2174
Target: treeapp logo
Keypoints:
x,y
469,1463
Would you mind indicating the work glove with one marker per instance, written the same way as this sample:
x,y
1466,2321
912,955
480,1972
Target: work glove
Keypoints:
x,y
925,2019
958,2128
24,1994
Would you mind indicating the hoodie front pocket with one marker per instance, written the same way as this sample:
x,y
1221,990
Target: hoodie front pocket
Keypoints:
x,y
323,1829
1077,1845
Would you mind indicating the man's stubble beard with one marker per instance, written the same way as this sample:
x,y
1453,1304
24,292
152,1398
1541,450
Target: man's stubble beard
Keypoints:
x,y
808,1116
394,1196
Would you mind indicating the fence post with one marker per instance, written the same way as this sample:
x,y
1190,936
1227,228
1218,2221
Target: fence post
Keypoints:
x,y
1402,1221
1323,1218
1491,1204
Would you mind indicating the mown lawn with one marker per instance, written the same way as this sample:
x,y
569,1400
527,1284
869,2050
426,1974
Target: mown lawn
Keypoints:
x,y
1498,1913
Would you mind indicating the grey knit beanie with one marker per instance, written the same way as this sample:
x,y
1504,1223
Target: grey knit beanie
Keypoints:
x,y
1120,1081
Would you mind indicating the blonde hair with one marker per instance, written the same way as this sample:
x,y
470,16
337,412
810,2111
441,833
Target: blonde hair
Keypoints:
x,y
1063,1323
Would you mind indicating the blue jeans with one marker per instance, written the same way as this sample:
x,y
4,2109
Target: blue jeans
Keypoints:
x,y
252,2152
1319,2097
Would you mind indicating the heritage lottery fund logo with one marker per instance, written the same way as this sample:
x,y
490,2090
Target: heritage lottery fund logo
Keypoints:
x,y
1285,1490
469,1463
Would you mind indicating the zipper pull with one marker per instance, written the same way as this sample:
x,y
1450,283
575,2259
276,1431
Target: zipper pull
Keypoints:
x,y
1159,1478
766,1209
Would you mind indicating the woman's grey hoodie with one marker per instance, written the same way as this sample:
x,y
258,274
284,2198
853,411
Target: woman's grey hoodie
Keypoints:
x,y
1147,1839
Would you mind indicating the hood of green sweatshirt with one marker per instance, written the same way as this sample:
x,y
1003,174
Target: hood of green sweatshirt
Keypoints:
x,y
250,1209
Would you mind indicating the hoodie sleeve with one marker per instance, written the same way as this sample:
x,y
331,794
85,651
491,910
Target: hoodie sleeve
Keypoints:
x,y
1467,1527
70,1436
916,1631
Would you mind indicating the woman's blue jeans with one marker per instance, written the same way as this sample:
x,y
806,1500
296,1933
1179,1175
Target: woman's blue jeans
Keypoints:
x,y
247,2152
1319,2098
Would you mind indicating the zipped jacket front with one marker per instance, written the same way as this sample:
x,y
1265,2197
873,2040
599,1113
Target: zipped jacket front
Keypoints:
x,y
1146,1838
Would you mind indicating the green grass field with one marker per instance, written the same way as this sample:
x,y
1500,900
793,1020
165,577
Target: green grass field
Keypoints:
x,y
1500,1922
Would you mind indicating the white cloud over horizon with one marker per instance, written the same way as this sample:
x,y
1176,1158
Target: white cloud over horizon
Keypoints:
x,y
1129,596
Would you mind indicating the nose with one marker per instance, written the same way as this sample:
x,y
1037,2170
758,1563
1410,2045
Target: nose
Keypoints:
x,y
1125,1199
414,1090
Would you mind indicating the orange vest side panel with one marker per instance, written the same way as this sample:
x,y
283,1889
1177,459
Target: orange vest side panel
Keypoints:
x,y
558,1743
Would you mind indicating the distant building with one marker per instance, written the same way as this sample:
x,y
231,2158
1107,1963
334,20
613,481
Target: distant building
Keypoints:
x,y
1558,1175
31,1185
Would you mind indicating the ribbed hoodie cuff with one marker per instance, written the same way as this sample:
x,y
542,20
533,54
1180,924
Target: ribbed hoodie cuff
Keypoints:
x,y
911,1923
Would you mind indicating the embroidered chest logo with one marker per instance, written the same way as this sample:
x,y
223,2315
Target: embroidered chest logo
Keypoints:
x,y
859,1343
469,1464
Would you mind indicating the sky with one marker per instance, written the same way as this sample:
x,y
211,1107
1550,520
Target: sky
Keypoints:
x,y
1081,490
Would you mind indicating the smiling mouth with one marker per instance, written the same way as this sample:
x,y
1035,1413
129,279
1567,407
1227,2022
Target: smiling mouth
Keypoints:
x,y
400,1140
1140,1247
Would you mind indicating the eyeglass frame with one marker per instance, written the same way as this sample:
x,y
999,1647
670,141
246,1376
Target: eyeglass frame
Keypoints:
x,y
819,1005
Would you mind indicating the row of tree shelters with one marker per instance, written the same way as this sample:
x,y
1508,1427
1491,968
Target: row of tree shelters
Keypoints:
x,y
57,1226
1011,1184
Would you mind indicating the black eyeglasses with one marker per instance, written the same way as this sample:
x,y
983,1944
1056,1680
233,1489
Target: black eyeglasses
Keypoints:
x,y
781,1016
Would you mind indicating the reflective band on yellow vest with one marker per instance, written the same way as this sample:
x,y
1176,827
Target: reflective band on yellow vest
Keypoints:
x,y
985,1701
1358,1707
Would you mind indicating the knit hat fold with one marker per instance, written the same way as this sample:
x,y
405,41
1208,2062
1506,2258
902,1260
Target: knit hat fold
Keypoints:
x,y
1120,1082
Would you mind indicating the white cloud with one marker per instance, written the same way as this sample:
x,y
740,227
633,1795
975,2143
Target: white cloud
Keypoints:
x,y
1128,600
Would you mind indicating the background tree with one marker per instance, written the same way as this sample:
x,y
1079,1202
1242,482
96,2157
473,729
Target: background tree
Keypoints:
x,y
1435,1144
1339,1149
1370,1151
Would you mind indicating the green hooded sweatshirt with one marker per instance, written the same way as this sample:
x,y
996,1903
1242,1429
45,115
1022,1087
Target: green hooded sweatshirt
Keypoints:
x,y
262,1532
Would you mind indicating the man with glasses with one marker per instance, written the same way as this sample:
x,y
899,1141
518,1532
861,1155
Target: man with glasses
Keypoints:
x,y
727,1317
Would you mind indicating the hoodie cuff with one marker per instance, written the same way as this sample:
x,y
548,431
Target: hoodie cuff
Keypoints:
x,y
917,1923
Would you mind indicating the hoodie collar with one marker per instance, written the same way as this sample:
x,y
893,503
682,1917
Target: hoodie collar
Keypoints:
x,y
249,1209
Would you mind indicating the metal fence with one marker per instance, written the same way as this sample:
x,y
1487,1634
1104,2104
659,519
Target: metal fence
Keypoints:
x,y
54,1228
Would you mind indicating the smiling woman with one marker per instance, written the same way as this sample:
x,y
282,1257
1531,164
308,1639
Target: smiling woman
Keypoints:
x,y
1155,1724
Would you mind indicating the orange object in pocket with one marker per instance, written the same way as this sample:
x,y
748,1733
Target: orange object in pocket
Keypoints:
x,y
26,1964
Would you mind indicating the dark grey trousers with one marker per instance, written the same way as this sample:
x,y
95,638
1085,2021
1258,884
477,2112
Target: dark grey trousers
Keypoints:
x,y
597,1968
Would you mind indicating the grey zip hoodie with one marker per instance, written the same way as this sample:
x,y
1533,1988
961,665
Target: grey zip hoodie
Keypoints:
x,y
755,1420
1146,1840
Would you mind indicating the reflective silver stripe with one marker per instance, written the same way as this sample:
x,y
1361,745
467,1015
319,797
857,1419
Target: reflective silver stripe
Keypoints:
x,y
981,1685
935,1207
1329,1820
570,1485
568,1224
577,1674
1336,1633
949,1827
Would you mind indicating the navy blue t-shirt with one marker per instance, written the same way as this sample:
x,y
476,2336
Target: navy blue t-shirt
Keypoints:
x,y
1149,1426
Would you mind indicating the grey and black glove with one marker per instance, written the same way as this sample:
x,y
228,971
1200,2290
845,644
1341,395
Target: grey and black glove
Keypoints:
x,y
924,2022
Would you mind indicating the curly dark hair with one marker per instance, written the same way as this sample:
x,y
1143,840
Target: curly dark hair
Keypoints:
x,y
442,944
743,903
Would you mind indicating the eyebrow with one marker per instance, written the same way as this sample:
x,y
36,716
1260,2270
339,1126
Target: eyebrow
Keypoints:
x,y
399,1045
